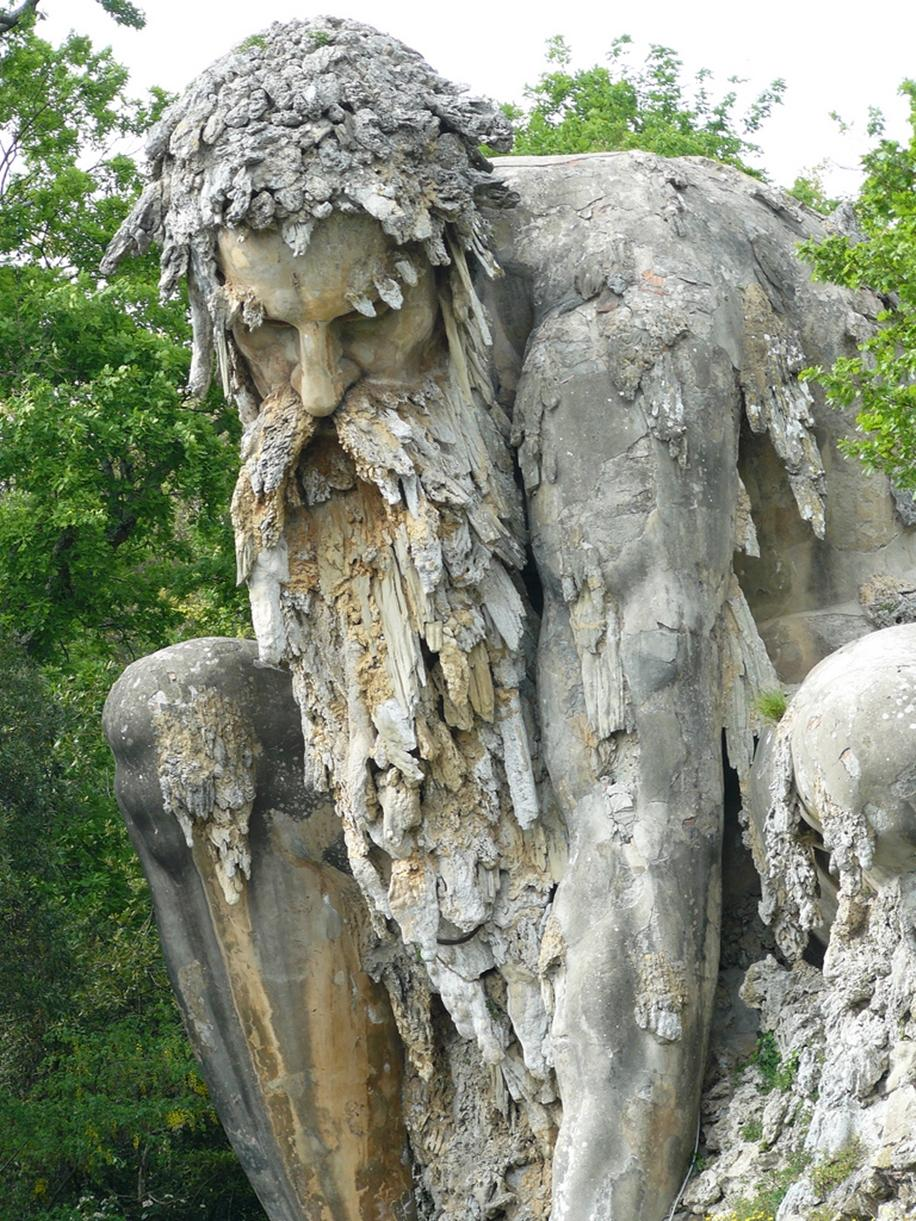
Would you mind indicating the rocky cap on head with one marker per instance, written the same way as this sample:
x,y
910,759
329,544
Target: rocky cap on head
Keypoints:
x,y
308,118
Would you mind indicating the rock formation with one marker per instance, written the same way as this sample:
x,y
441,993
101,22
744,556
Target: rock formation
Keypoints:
x,y
505,435
832,805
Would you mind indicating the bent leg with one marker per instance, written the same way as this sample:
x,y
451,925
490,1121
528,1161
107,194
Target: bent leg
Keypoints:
x,y
262,930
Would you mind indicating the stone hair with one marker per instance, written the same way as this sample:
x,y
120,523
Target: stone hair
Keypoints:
x,y
309,118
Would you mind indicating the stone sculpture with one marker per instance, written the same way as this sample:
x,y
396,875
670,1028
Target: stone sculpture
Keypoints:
x,y
503,437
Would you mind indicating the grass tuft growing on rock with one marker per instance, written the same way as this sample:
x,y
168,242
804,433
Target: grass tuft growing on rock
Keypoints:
x,y
772,705
770,1193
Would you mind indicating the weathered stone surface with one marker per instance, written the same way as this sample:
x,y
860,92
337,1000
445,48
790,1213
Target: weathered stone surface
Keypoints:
x,y
842,768
296,1041
307,119
530,796
659,333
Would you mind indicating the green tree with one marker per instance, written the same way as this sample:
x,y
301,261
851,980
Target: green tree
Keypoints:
x,y
623,106
123,11
881,379
808,188
114,487
113,541
102,1108
113,513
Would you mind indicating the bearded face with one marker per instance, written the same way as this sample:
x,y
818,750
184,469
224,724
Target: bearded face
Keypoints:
x,y
353,310
352,307
379,527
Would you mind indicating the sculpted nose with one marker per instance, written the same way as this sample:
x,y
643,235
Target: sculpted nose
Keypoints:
x,y
318,378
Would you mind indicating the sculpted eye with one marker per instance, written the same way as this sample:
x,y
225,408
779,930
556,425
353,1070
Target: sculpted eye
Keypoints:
x,y
260,332
272,327
267,339
270,351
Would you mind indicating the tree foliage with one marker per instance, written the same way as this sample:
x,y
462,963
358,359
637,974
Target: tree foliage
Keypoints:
x,y
123,11
114,487
881,379
102,1109
808,188
60,109
113,542
651,107
113,510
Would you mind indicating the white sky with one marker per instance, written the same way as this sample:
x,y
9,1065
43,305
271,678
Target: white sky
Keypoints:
x,y
833,56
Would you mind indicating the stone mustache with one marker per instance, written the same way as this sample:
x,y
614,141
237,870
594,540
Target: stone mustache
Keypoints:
x,y
436,864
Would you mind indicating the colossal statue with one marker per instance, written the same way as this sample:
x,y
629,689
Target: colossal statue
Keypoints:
x,y
437,865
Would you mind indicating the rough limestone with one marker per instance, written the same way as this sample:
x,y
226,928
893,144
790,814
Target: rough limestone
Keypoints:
x,y
825,1112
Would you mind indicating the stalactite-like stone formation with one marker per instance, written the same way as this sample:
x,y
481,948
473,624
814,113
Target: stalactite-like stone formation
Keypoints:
x,y
837,774
382,538
383,548
206,765
394,597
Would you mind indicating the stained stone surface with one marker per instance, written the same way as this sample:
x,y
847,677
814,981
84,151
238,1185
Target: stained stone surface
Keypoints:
x,y
295,1039
530,547
656,384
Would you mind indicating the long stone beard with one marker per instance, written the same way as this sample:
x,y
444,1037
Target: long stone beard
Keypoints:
x,y
383,550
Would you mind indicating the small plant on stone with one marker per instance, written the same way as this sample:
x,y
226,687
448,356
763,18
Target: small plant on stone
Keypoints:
x,y
775,1072
769,1195
743,1215
752,1130
835,1170
772,705
745,1210
766,1057
788,1070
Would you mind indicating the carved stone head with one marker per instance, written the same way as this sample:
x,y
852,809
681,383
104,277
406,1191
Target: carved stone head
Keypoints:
x,y
351,306
326,136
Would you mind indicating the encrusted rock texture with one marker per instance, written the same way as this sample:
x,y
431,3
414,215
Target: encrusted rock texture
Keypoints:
x,y
818,1119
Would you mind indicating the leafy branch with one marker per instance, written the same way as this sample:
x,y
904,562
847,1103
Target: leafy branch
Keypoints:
x,y
123,11
880,380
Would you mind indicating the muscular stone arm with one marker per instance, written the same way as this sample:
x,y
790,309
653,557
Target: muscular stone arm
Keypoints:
x,y
639,905
651,338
